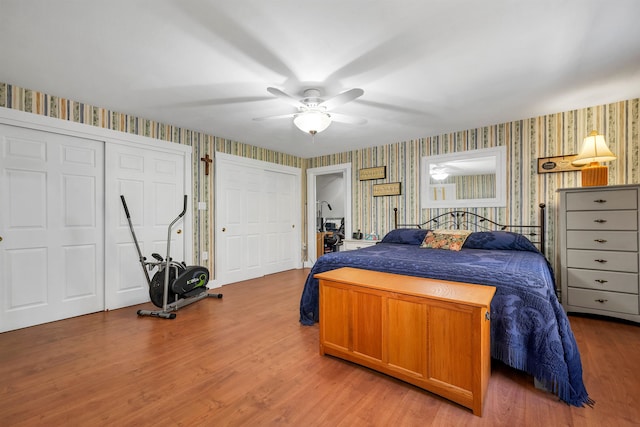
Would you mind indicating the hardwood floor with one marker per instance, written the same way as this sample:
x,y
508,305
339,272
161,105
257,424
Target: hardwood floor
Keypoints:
x,y
245,360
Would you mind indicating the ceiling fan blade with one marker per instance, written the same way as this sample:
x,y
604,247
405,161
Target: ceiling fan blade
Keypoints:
x,y
342,98
341,118
282,116
286,97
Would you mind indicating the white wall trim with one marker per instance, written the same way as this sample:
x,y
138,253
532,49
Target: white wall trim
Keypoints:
x,y
50,124
312,173
260,164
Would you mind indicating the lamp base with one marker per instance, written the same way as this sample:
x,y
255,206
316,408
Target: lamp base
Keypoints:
x,y
595,174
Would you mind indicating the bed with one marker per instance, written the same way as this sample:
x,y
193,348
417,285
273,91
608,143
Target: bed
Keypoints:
x,y
529,328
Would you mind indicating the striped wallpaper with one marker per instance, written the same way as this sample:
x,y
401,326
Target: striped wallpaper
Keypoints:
x,y
203,186
526,140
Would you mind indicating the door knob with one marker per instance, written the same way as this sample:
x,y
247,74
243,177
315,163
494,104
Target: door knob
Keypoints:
x,y
224,229
179,231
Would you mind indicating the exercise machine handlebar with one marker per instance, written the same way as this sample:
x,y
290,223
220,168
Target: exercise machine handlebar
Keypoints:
x,y
141,257
168,258
124,205
184,208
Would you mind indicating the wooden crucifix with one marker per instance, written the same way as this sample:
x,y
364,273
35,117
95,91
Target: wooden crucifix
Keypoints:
x,y
207,161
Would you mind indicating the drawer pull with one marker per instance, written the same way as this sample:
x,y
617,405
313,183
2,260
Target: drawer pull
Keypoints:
x,y
602,261
600,221
600,240
600,201
601,301
602,281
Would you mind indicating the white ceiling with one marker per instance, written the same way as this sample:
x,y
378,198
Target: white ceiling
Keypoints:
x,y
426,66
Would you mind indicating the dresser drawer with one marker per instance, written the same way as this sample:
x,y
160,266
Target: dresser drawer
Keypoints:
x,y
603,220
603,300
602,240
602,200
603,260
603,280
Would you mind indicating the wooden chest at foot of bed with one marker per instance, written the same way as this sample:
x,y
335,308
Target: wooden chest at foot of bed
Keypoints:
x,y
430,333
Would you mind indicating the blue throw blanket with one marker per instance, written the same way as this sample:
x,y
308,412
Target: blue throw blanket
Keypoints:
x,y
529,329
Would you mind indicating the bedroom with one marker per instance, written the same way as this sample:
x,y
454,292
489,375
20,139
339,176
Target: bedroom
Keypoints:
x,y
549,134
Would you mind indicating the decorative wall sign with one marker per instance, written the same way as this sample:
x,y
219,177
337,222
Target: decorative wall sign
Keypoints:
x,y
389,189
366,174
557,164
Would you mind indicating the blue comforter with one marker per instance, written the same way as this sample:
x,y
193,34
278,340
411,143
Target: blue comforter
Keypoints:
x,y
529,328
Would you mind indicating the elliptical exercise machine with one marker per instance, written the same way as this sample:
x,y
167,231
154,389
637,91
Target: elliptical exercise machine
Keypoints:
x,y
175,284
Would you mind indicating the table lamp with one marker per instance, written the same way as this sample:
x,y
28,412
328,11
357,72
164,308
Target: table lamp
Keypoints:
x,y
593,151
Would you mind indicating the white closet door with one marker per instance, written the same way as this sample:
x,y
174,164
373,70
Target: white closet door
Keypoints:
x,y
153,183
52,227
257,219
238,208
279,213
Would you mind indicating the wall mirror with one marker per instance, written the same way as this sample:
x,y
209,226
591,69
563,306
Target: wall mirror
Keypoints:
x,y
466,179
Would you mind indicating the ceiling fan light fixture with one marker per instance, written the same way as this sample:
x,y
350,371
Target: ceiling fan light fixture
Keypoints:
x,y
439,175
438,172
312,121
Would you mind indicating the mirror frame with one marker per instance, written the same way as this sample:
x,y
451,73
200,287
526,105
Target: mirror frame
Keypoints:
x,y
500,200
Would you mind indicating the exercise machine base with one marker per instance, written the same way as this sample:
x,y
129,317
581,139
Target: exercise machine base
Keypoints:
x,y
175,306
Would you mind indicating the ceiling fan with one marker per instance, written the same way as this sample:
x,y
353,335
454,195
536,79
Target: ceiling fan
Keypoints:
x,y
314,114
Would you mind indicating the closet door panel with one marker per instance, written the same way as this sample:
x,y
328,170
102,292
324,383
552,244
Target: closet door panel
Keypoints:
x,y
153,183
52,225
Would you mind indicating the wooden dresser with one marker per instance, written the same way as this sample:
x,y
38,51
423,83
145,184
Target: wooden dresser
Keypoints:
x,y
599,255
431,333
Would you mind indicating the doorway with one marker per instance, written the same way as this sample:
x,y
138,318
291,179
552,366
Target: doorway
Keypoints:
x,y
336,175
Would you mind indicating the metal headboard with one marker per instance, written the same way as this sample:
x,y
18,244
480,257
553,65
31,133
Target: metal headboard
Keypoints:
x,y
462,220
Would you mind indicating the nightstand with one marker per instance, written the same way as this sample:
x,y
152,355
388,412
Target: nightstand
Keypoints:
x,y
352,244
599,250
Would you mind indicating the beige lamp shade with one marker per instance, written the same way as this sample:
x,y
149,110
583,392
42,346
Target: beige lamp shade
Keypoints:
x,y
594,150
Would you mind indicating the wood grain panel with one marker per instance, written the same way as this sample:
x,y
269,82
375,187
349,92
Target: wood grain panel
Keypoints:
x,y
407,336
450,346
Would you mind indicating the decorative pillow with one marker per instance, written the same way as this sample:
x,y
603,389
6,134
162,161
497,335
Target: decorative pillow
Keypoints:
x,y
406,236
501,240
445,239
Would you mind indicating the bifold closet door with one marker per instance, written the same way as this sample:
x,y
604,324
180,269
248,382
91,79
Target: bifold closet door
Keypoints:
x,y
279,230
239,227
51,225
257,221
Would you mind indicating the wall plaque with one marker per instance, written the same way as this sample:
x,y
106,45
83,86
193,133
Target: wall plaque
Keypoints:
x,y
366,174
389,189
557,164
